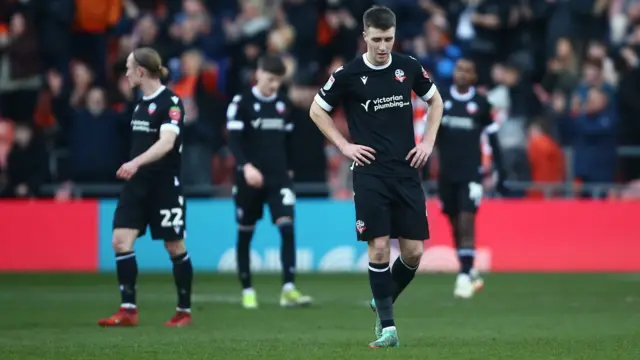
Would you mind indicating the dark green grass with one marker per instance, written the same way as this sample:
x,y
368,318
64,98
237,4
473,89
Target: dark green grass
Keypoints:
x,y
521,317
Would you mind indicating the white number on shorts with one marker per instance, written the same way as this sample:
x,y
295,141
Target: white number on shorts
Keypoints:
x,y
475,192
288,197
171,217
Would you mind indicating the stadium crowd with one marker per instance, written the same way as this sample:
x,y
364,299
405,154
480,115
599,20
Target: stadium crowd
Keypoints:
x,y
559,73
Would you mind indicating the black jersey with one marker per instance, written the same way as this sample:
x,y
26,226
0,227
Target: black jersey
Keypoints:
x,y
465,117
377,103
160,111
260,131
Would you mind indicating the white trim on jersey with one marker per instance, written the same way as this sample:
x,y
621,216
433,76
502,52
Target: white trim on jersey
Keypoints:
x,y
256,92
492,129
323,104
288,127
462,97
235,125
155,94
170,127
376,67
429,94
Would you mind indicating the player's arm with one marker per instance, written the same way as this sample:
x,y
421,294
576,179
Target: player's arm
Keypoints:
x,y
491,130
160,148
236,123
169,131
428,92
288,128
324,102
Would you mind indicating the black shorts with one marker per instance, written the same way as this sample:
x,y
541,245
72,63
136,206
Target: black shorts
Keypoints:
x,y
250,201
157,203
387,206
458,197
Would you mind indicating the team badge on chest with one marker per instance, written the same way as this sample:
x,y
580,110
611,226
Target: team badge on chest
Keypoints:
x,y
152,108
280,107
400,75
472,107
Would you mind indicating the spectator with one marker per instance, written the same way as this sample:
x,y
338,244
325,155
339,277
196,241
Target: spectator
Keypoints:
x,y
19,70
95,142
595,141
27,163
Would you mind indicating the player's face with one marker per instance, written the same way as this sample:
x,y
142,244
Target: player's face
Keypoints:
x,y
267,82
134,73
464,73
379,43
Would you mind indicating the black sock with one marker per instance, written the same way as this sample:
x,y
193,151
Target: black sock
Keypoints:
x,y
381,282
183,276
243,257
287,253
466,257
402,275
127,269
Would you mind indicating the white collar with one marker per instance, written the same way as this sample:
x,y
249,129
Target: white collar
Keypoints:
x,y
261,97
155,94
376,67
462,97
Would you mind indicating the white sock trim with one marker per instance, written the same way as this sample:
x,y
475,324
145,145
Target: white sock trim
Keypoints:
x,y
128,306
378,270
393,328
288,286
407,265
183,310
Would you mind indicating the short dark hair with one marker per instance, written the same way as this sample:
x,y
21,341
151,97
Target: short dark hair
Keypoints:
x,y
272,64
379,17
149,59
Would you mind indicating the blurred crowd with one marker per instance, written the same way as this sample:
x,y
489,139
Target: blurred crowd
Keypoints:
x,y
559,73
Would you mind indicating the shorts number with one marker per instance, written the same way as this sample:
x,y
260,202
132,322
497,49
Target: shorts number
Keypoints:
x,y
288,197
171,217
475,192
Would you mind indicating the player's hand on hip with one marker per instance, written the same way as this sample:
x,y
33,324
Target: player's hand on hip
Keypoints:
x,y
419,155
127,170
253,176
359,153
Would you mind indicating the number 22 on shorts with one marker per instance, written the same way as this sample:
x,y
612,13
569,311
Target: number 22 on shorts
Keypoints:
x,y
475,192
288,197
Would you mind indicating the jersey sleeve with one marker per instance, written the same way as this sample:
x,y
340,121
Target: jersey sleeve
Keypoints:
x,y
235,119
333,90
235,124
486,118
174,117
422,84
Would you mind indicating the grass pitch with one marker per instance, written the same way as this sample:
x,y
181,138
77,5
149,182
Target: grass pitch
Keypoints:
x,y
517,316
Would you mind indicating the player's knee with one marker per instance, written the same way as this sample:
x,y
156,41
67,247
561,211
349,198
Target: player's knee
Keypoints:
x,y
412,256
284,221
175,248
379,251
123,240
246,228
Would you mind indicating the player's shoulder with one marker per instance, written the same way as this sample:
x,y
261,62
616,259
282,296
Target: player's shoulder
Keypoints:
x,y
480,98
169,98
405,59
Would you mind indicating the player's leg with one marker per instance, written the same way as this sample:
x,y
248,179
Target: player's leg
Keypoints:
x,y
183,279
281,202
129,222
249,203
409,224
468,281
168,223
373,225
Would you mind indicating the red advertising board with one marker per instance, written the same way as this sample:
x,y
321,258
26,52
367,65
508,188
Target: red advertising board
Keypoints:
x,y
44,236
544,236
